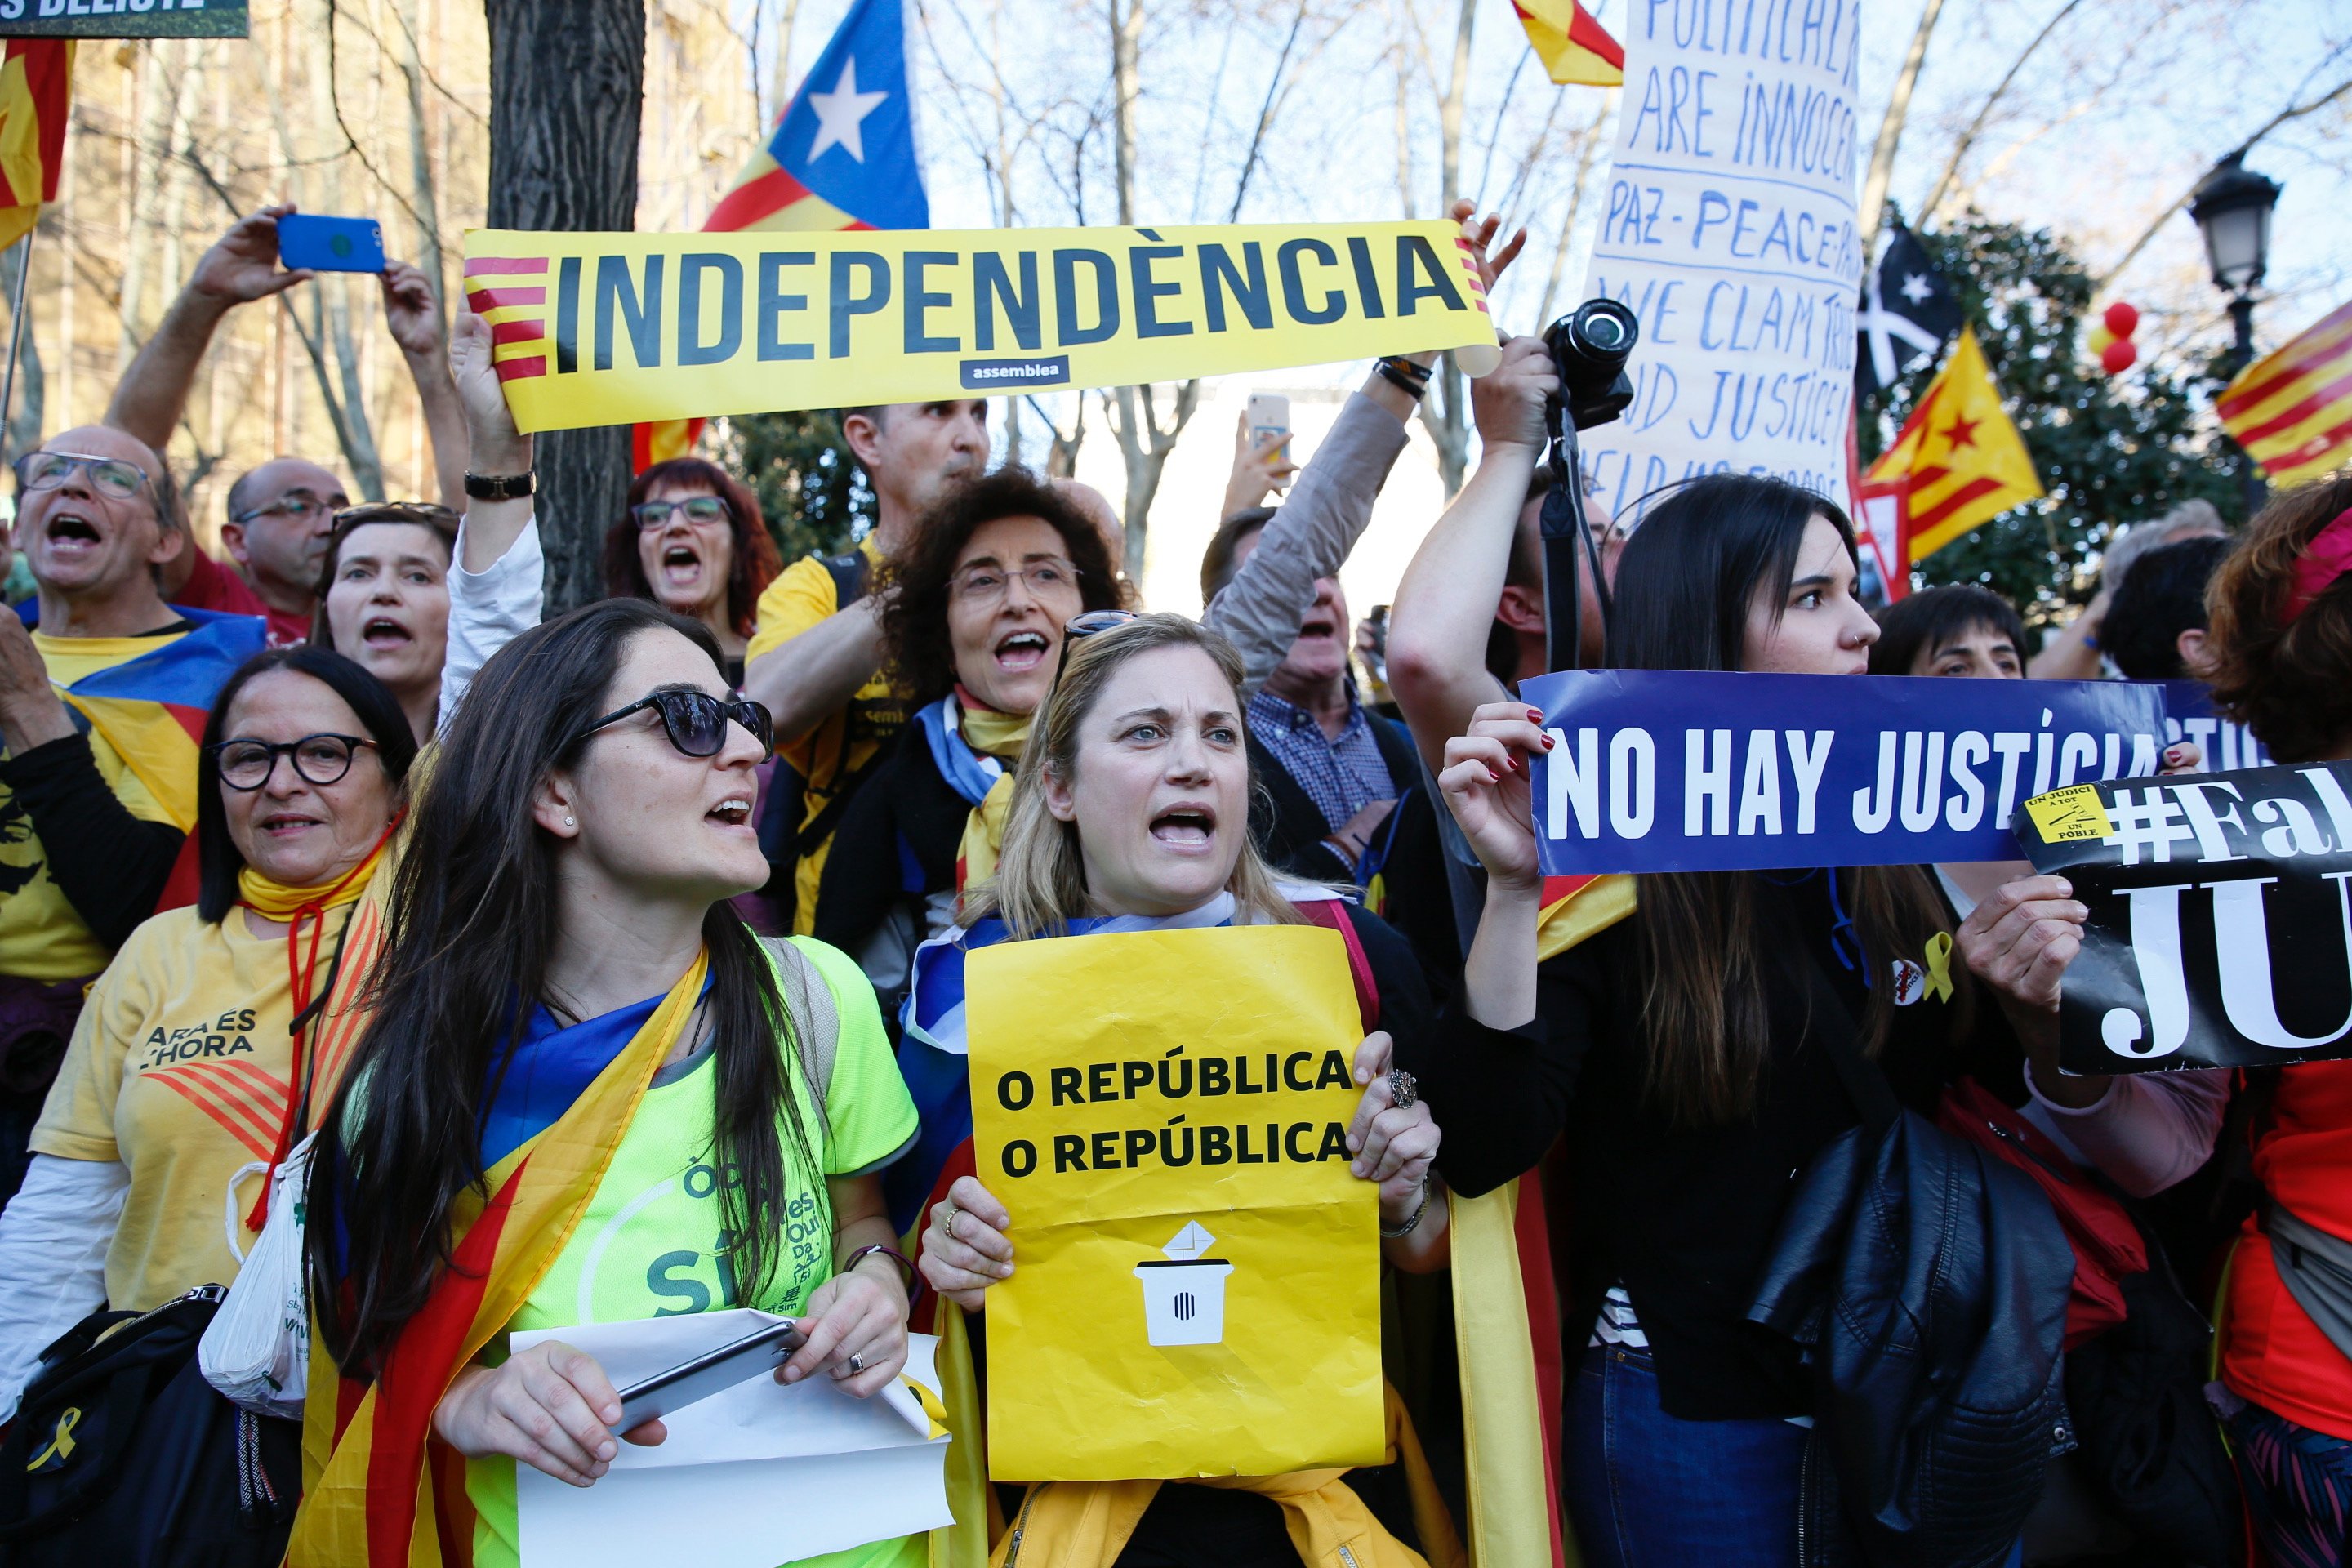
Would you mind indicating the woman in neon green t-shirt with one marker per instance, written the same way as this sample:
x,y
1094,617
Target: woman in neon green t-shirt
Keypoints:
x,y
587,1092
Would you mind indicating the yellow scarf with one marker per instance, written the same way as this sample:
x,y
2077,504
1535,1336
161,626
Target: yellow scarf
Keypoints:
x,y
1002,736
274,901
1591,907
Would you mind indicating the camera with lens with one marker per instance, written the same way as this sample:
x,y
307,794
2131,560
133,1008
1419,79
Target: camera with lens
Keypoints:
x,y
1589,347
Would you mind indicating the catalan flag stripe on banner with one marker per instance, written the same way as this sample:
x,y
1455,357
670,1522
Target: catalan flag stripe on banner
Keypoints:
x,y
2291,409
1965,461
36,91
842,157
1573,46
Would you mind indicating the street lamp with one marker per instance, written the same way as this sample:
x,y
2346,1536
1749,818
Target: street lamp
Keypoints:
x,y
2233,207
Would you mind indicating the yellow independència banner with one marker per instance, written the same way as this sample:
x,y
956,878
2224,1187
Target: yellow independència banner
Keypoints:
x,y
1196,1280
613,329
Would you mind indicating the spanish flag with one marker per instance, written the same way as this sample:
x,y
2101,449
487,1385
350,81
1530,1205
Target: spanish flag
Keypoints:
x,y
380,1493
35,92
1964,461
1574,47
2292,410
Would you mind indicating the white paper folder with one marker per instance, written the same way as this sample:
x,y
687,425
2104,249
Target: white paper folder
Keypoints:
x,y
759,1475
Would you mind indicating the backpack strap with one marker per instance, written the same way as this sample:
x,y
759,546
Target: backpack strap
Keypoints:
x,y
816,1021
848,571
1331,914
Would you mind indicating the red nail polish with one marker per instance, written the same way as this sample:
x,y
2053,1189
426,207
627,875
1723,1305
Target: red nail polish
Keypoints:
x,y
1493,777
1512,763
1547,742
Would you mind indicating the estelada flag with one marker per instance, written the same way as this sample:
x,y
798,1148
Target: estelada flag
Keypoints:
x,y
2291,409
1964,460
840,158
1574,47
152,710
35,90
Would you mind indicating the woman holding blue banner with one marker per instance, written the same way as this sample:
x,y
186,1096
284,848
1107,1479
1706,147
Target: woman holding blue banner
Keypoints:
x,y
974,631
1682,1039
582,1067
1130,812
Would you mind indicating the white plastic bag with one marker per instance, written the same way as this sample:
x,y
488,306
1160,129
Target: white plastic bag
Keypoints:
x,y
257,1351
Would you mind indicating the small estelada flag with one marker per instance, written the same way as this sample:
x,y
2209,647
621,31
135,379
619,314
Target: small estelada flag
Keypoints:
x,y
1963,461
36,95
2291,409
843,156
1574,48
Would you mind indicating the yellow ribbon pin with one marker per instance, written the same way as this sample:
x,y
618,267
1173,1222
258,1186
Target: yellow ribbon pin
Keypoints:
x,y
1939,966
61,1447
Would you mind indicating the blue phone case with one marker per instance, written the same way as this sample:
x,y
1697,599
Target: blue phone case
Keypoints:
x,y
307,242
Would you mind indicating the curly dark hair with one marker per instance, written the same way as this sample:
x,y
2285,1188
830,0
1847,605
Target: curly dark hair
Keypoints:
x,y
755,558
915,617
2289,681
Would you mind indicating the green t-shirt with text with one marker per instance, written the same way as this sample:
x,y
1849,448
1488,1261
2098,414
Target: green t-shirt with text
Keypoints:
x,y
652,1243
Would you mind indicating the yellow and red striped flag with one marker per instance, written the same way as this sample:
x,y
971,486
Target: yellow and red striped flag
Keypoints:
x,y
35,93
2291,409
1964,460
1574,47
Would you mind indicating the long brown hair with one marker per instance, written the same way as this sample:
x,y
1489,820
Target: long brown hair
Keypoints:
x,y
1683,589
1040,884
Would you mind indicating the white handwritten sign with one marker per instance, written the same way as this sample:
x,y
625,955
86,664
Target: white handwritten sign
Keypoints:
x,y
1730,229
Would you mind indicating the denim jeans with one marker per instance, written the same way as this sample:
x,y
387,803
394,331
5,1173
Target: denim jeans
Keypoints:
x,y
1646,1490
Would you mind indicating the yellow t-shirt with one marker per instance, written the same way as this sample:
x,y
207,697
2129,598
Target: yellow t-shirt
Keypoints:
x,y
41,937
651,1245
180,1070
801,597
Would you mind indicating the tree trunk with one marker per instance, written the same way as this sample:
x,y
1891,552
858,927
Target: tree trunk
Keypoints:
x,y
1890,130
1447,412
567,89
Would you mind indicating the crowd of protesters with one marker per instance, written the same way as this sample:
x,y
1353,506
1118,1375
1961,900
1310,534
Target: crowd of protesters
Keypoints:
x,y
687,875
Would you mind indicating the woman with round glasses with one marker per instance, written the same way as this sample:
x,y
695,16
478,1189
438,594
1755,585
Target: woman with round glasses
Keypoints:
x,y
187,1075
693,542
973,628
384,599
587,1092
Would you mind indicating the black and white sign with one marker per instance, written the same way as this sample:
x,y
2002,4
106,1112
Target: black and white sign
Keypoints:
x,y
2220,928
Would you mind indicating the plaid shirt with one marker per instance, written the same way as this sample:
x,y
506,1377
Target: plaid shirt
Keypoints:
x,y
1342,777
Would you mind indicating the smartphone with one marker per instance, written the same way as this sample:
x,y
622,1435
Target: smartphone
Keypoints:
x,y
1378,657
311,244
1269,414
762,1349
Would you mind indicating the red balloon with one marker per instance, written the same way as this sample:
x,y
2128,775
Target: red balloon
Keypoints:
x,y
2117,356
2121,319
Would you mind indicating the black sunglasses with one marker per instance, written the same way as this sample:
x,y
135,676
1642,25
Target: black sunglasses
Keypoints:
x,y
1087,625
697,722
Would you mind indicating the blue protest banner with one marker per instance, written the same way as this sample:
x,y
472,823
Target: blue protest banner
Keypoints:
x,y
1682,771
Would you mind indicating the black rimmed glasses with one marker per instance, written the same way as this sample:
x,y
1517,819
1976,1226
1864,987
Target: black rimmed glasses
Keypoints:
x,y
1085,625
318,760
653,514
111,475
697,722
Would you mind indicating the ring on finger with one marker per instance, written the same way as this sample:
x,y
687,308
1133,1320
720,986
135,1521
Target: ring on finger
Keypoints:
x,y
954,1214
856,1363
1405,1090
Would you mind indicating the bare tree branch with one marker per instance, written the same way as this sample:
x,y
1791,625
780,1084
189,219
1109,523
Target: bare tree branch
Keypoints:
x,y
1961,149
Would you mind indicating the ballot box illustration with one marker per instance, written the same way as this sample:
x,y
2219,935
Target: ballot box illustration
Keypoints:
x,y
1185,1292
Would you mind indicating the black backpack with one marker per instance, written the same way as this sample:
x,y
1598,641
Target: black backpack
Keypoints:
x,y
122,1453
783,838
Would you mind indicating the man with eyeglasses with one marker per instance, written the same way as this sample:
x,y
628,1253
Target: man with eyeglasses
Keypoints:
x,y
99,710
816,658
279,514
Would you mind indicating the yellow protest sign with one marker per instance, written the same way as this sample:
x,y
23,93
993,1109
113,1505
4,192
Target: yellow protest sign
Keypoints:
x,y
2068,813
612,329
1196,1280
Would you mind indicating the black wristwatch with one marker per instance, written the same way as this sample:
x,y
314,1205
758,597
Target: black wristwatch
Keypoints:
x,y
502,486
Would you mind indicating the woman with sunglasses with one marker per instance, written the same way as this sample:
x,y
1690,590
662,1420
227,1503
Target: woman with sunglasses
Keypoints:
x,y
975,630
673,1116
1129,813
693,541
384,599
186,1078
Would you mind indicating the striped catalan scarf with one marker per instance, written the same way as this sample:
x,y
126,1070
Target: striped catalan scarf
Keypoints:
x,y
975,748
1575,908
375,1497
